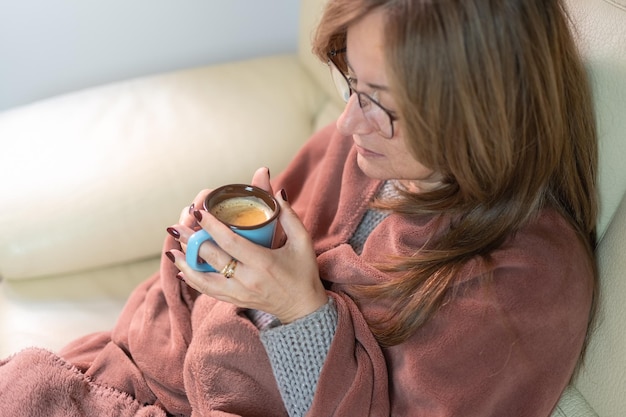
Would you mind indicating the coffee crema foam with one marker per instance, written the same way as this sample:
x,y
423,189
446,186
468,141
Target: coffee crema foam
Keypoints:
x,y
242,211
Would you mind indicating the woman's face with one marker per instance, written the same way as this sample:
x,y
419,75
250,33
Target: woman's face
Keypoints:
x,y
378,157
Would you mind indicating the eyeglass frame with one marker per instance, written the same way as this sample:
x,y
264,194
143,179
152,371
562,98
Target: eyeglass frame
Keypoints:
x,y
331,63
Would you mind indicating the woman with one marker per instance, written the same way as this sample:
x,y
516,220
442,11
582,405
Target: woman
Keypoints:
x,y
439,253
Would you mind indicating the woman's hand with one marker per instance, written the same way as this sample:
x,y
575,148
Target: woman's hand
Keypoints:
x,y
284,282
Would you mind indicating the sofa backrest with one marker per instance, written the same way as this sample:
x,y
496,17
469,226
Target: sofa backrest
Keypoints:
x,y
602,379
600,28
310,12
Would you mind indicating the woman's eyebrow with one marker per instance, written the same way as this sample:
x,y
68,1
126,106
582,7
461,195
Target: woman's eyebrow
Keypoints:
x,y
370,85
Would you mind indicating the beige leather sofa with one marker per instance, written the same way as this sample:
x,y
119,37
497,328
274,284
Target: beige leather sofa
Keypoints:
x,y
90,181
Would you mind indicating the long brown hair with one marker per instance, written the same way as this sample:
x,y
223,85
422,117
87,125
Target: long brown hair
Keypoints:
x,y
493,95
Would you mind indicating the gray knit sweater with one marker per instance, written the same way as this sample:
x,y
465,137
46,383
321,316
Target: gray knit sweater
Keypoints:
x,y
297,351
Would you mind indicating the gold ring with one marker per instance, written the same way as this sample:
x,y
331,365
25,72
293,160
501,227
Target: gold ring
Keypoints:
x,y
229,269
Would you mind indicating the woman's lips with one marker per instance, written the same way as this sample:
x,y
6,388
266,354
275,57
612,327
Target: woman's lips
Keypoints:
x,y
366,152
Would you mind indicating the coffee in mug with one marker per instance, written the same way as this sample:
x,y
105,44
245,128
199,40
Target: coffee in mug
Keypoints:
x,y
249,211
242,211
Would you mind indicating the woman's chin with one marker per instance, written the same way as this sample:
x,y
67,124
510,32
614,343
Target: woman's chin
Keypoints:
x,y
370,169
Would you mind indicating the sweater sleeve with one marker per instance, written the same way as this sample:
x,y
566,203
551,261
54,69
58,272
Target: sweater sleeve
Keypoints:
x,y
297,352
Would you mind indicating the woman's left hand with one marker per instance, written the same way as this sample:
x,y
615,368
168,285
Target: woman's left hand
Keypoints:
x,y
284,282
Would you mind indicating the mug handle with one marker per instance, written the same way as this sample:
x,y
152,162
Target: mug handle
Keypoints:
x,y
193,247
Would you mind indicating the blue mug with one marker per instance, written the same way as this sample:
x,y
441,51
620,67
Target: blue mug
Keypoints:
x,y
249,211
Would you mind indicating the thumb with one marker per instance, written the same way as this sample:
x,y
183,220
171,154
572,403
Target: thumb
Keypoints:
x,y
261,179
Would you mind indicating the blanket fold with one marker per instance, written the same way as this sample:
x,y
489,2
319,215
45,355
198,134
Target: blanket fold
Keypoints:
x,y
38,383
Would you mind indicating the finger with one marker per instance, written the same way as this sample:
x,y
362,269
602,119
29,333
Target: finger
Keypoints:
x,y
261,179
213,255
292,226
230,243
186,215
209,252
199,200
181,233
209,283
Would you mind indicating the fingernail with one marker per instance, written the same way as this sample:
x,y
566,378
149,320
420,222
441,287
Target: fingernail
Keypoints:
x,y
283,194
170,256
173,232
180,277
191,207
197,215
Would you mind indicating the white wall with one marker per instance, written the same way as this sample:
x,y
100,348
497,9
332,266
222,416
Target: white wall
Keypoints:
x,y
48,47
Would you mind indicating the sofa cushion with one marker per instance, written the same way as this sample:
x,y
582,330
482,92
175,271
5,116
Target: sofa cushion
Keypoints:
x,y
50,312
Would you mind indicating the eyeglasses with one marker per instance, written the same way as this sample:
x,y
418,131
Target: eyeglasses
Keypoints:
x,y
379,117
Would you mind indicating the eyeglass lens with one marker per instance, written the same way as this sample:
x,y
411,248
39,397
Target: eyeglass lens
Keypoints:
x,y
373,112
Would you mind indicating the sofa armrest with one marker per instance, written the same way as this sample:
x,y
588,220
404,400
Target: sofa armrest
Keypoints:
x,y
92,178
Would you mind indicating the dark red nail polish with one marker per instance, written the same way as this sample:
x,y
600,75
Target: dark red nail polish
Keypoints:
x,y
197,215
173,232
191,207
170,256
283,194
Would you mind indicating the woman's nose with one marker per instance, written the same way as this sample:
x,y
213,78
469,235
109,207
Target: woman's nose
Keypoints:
x,y
352,120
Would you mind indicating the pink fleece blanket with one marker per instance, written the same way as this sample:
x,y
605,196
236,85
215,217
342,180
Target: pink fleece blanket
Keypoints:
x,y
502,350
150,363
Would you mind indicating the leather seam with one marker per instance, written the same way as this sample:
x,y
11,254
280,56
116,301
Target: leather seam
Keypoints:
x,y
617,3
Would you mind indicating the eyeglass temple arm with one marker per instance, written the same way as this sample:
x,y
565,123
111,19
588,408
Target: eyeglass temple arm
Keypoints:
x,y
333,53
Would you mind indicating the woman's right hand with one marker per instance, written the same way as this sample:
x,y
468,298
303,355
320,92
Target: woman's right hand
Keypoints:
x,y
284,282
